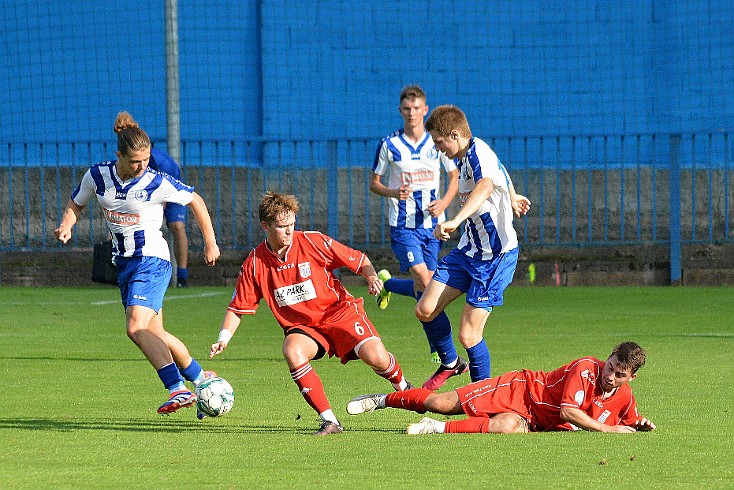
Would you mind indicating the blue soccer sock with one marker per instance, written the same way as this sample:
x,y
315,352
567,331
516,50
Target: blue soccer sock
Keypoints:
x,y
182,273
171,377
438,332
193,372
479,361
418,295
403,287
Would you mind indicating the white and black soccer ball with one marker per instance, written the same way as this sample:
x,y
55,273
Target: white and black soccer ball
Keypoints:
x,y
214,397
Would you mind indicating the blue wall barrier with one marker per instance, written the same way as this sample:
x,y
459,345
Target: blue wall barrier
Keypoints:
x,y
587,190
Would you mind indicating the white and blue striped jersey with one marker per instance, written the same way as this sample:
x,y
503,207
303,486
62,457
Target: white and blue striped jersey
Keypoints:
x,y
420,167
133,209
488,232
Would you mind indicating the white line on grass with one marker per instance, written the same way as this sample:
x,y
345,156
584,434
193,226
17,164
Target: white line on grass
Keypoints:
x,y
167,298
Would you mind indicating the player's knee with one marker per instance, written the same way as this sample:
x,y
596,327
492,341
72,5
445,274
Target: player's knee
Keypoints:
x,y
507,423
423,313
469,339
295,354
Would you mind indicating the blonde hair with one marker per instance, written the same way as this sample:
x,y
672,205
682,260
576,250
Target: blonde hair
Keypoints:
x,y
274,205
130,137
446,118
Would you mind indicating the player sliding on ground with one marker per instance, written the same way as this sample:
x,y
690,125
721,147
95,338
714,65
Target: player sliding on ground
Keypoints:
x,y
587,393
293,272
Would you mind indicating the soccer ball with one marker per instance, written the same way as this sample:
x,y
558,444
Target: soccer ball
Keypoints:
x,y
214,397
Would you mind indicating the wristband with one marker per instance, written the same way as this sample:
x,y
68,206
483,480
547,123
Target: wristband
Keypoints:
x,y
224,336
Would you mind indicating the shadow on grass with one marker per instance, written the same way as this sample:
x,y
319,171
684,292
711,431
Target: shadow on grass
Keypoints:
x,y
160,426
139,359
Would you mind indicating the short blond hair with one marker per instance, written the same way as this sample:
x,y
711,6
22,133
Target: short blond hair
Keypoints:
x,y
446,118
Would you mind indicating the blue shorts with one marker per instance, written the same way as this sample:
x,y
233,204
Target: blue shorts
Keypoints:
x,y
174,212
483,281
414,246
143,281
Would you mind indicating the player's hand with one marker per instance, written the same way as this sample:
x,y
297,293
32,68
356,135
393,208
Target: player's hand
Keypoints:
x,y
211,254
520,205
644,425
62,234
374,285
217,348
443,230
620,429
436,208
404,192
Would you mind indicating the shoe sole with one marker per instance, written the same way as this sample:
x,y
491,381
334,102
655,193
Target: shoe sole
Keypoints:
x,y
168,409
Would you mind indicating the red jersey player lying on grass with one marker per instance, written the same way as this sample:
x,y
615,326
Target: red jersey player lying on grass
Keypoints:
x,y
587,393
293,272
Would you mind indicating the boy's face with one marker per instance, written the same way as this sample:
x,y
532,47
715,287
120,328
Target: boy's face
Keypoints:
x,y
614,375
279,233
450,145
413,110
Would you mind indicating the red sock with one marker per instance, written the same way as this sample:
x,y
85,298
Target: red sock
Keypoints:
x,y
409,399
393,373
310,386
472,425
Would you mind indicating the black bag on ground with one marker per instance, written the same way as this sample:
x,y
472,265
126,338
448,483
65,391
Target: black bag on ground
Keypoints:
x,y
103,270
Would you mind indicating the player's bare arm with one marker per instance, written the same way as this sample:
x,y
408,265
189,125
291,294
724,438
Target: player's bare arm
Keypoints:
x,y
520,203
581,420
229,326
201,213
376,186
68,220
482,190
374,284
439,206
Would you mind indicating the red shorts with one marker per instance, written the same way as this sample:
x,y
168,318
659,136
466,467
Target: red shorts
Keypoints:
x,y
503,394
341,333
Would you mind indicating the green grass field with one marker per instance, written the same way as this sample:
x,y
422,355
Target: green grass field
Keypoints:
x,y
79,399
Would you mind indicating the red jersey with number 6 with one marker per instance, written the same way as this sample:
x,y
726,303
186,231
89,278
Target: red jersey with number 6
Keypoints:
x,y
300,289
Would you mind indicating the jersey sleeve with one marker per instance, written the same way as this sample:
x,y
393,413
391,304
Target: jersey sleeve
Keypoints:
x,y
448,164
380,165
247,295
579,383
85,190
336,253
174,191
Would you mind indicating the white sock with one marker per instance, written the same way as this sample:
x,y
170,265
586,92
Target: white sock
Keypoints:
x,y
328,416
440,426
400,386
452,364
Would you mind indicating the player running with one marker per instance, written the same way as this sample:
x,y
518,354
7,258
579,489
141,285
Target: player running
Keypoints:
x,y
293,272
132,197
483,263
587,393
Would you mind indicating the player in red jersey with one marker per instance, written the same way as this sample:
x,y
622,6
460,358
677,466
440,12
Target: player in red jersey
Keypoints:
x,y
293,272
587,393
